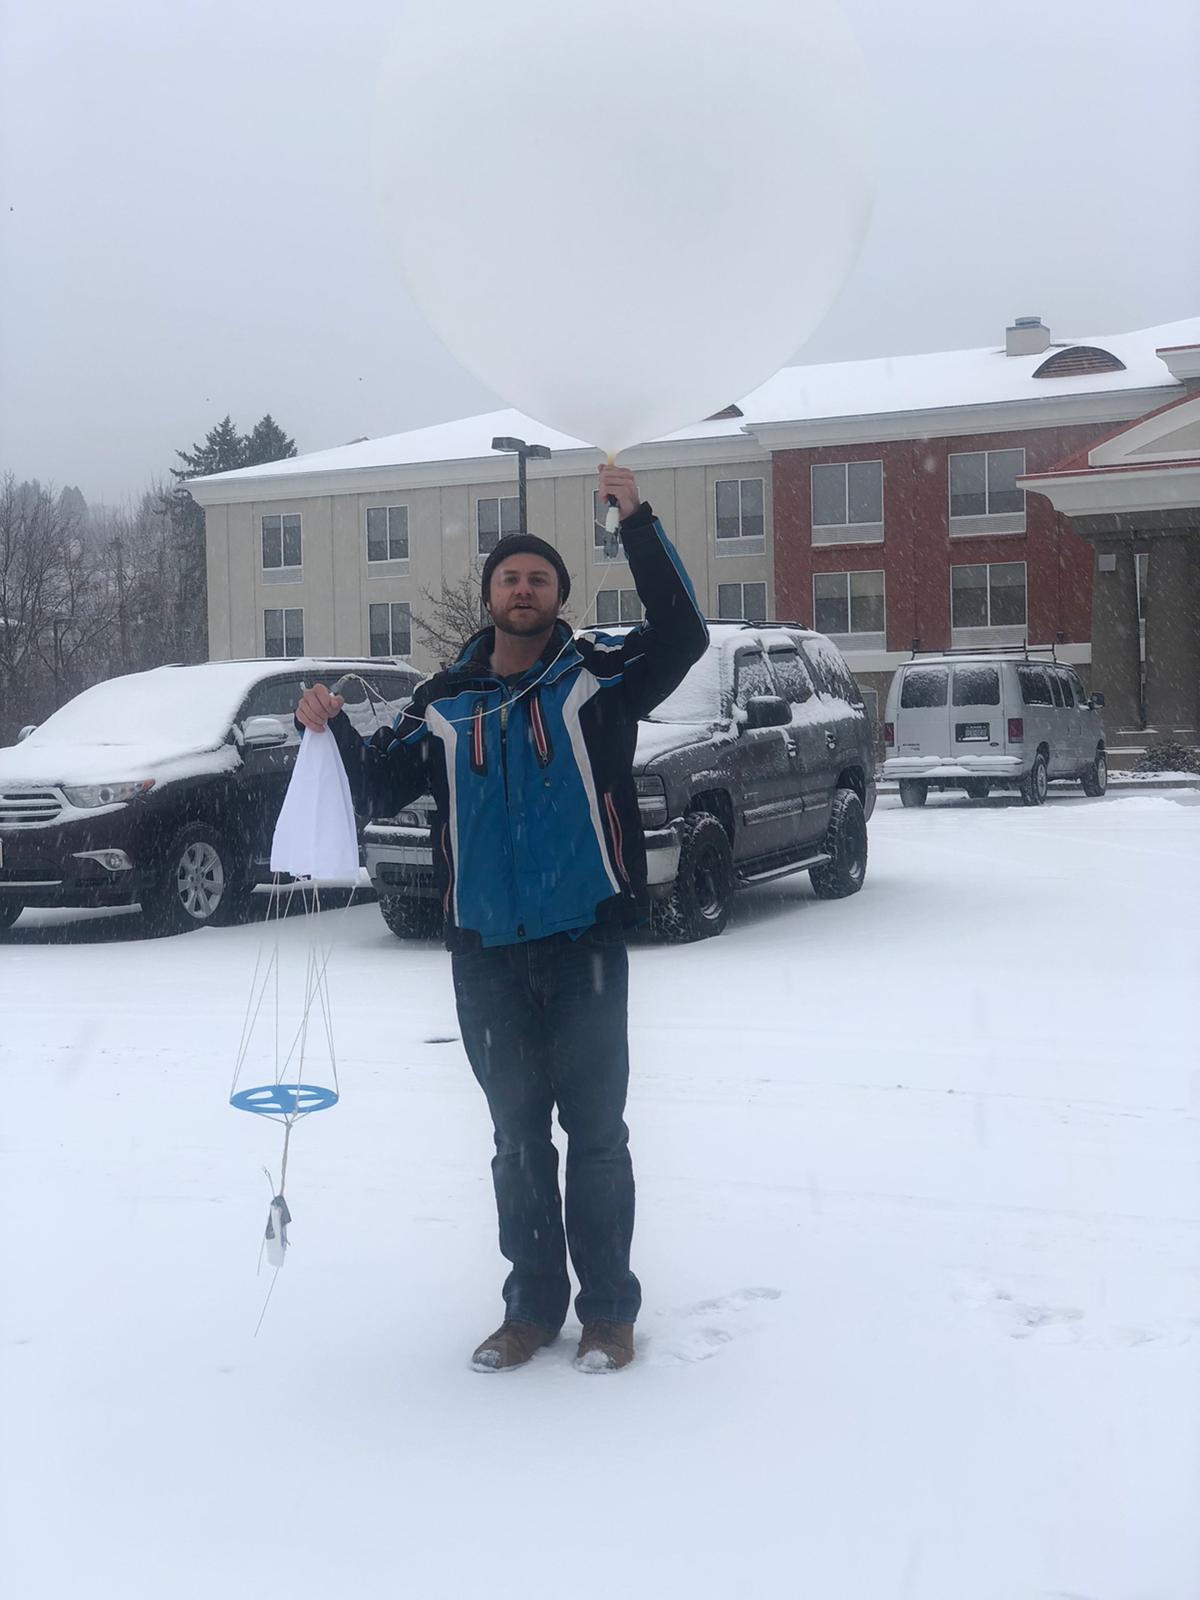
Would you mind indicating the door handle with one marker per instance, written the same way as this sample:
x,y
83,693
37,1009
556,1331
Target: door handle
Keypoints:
x,y
793,749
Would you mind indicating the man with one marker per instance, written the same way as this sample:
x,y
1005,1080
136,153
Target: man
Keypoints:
x,y
526,744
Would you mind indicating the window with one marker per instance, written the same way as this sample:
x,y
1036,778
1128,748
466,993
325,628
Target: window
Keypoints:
x,y
976,686
599,535
740,508
751,676
791,675
387,533
616,606
847,502
849,604
871,702
1035,691
1056,687
1077,688
495,519
983,489
281,543
394,688
390,627
924,688
990,597
283,632
277,697
829,671
742,602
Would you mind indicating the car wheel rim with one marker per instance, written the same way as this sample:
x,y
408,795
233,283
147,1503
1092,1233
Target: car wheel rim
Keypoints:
x,y
856,852
1040,780
1101,773
708,887
200,880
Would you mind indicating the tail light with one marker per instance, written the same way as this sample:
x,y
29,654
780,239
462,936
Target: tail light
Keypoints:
x,y
1016,730
889,734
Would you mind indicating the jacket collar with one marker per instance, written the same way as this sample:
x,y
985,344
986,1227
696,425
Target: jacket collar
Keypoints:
x,y
476,658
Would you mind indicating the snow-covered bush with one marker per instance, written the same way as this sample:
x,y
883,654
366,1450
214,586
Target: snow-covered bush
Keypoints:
x,y
1169,756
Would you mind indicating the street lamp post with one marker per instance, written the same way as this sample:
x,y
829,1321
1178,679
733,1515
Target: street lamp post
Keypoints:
x,y
523,453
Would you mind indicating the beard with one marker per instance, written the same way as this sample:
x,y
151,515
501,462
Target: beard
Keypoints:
x,y
522,623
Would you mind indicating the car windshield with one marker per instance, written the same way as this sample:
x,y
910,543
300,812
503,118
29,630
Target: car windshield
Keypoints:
x,y
173,707
698,697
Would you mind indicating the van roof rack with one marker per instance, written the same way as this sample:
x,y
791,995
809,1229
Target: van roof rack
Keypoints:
x,y
1025,650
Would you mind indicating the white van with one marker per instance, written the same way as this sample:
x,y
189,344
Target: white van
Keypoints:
x,y
992,719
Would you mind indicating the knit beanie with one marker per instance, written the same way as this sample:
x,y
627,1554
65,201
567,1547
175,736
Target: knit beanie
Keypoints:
x,y
530,545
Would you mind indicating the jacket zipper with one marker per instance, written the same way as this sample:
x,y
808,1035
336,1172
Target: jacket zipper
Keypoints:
x,y
504,746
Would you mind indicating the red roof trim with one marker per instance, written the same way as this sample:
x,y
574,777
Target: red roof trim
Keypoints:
x,y
1079,459
1065,471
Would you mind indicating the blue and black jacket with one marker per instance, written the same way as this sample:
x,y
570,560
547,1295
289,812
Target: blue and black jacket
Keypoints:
x,y
537,828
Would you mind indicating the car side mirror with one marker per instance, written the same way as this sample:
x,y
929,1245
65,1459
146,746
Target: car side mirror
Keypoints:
x,y
767,711
264,733
1095,702
26,731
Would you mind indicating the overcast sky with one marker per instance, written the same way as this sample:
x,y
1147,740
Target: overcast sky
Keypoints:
x,y
187,227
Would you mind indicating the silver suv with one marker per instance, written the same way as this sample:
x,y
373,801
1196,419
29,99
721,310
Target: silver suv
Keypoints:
x,y
980,720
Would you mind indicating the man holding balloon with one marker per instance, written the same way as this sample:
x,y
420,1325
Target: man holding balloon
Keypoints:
x,y
526,744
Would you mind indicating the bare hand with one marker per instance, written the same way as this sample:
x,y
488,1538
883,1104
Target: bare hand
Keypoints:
x,y
316,707
622,485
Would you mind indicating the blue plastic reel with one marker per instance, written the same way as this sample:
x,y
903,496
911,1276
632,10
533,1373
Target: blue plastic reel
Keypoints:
x,y
284,1099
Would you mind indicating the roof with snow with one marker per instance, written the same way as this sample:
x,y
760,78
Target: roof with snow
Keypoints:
x,y
883,386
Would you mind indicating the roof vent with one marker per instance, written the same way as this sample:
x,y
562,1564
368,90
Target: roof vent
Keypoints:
x,y
1077,360
1028,336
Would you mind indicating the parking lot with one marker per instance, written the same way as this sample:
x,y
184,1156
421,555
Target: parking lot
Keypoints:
x,y
918,1226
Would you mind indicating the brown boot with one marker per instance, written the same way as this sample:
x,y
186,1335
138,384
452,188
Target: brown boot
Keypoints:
x,y
512,1345
605,1347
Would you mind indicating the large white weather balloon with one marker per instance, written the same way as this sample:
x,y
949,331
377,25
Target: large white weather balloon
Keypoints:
x,y
623,214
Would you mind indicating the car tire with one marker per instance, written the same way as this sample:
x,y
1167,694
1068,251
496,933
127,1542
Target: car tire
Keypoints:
x,y
1095,780
10,910
977,788
1036,782
846,846
913,793
410,917
698,905
201,885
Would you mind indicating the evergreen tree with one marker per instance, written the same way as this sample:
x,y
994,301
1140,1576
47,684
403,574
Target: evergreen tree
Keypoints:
x,y
268,442
223,450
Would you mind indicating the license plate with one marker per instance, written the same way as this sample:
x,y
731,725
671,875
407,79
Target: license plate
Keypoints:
x,y
969,731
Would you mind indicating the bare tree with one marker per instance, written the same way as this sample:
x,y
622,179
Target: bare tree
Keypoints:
x,y
449,617
53,616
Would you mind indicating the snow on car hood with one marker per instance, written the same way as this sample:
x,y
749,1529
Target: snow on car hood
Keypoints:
x,y
660,738
110,763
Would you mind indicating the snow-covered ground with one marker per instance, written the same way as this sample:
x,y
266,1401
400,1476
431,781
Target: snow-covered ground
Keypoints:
x,y
918,1230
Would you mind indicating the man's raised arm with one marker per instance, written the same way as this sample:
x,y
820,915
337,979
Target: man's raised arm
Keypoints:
x,y
657,653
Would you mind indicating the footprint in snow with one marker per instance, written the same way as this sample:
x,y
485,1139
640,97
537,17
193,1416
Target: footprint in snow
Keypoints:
x,y
1045,1324
699,1331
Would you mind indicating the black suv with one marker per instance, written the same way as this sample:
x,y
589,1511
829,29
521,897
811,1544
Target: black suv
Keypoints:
x,y
163,788
760,764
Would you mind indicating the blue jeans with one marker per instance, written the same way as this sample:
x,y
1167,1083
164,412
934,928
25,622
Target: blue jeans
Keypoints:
x,y
544,1025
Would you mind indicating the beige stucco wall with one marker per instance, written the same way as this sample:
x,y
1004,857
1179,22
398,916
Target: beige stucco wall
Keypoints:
x,y
336,584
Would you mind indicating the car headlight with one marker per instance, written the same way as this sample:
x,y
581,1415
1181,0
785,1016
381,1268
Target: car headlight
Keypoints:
x,y
652,801
106,794
411,819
